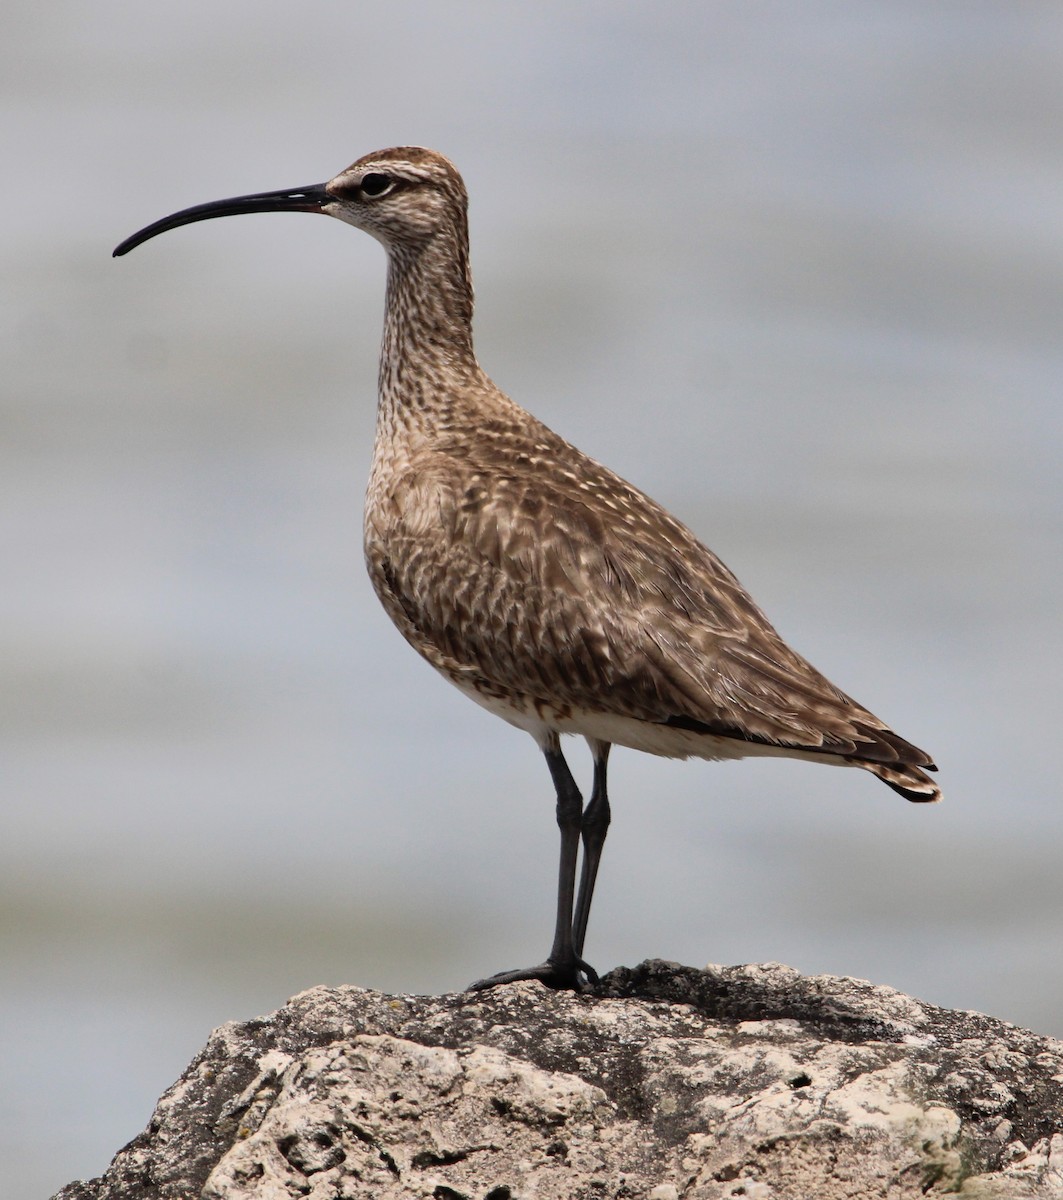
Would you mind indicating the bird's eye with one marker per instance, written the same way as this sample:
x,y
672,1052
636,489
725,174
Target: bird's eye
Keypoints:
x,y
376,184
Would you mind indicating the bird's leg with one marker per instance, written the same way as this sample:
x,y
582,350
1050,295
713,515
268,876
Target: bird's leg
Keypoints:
x,y
595,826
570,823
563,967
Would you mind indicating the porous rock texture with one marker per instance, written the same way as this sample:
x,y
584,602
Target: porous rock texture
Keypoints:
x,y
669,1082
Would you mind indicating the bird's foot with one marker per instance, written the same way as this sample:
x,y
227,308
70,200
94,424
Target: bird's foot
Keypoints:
x,y
573,975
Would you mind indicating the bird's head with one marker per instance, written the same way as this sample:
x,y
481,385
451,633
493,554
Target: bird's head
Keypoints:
x,y
402,196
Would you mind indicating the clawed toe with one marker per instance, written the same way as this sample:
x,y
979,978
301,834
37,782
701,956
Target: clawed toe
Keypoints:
x,y
574,976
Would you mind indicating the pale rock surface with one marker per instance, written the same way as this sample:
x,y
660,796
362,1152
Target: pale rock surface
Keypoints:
x,y
670,1084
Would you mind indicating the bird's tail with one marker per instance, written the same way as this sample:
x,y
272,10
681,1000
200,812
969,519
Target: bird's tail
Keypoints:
x,y
910,782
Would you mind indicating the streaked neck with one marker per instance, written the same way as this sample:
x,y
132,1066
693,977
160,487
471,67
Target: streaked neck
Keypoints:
x,y
427,347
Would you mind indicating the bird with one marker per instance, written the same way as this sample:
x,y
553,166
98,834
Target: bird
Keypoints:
x,y
542,585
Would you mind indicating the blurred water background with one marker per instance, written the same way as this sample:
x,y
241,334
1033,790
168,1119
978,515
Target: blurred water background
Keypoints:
x,y
796,270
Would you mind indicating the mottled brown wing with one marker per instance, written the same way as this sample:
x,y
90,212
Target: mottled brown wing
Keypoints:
x,y
595,597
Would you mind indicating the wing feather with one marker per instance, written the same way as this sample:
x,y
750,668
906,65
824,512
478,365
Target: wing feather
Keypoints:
x,y
595,597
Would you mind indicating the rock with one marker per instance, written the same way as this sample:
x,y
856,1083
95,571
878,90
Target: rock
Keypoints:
x,y
669,1083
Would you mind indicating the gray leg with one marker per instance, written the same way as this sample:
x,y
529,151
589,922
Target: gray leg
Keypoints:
x,y
563,967
595,826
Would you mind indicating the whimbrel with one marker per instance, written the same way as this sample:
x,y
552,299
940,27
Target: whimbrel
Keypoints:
x,y
542,585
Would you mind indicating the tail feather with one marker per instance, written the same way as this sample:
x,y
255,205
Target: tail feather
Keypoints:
x,y
910,782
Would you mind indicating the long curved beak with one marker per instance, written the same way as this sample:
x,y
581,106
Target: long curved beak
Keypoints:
x,y
306,199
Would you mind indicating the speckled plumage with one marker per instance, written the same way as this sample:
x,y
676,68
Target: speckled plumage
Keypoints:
x,y
547,587
541,584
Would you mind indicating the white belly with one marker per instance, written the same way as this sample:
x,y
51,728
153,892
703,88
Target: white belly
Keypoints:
x,y
543,721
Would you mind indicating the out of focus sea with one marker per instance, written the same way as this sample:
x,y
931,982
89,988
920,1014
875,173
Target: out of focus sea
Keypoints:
x,y
795,271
